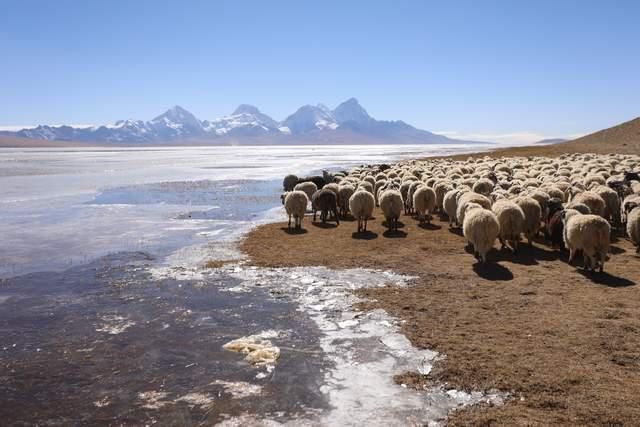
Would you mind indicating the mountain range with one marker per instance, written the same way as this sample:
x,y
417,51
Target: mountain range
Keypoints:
x,y
349,122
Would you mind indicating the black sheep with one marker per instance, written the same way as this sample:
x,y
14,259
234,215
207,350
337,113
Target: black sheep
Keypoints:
x,y
326,202
553,225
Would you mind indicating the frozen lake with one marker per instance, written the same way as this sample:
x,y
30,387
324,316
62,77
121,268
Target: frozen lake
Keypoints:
x,y
63,207
102,286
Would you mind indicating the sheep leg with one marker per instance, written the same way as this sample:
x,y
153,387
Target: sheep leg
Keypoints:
x,y
365,226
515,247
335,212
314,215
571,255
504,245
289,225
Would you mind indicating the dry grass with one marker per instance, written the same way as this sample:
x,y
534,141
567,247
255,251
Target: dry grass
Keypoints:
x,y
567,345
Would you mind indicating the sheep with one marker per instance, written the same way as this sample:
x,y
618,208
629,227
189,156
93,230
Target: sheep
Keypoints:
x,y
441,188
480,228
404,192
344,194
450,204
483,186
333,187
611,203
295,204
633,227
289,182
424,202
366,186
580,207
391,205
511,219
595,203
412,189
532,216
629,203
591,235
326,202
361,204
308,187
465,198
553,225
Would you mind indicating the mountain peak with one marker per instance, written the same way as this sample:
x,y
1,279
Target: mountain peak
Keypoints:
x,y
351,111
176,114
246,109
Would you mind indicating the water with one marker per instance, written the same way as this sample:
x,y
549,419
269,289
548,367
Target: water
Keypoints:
x,y
107,313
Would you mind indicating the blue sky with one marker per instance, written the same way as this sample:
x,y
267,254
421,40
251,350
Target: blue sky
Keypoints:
x,y
501,70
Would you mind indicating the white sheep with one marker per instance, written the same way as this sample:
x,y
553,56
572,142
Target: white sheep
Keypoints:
x,y
532,216
295,203
450,204
591,235
308,187
424,203
470,197
511,219
633,227
480,228
595,203
391,204
361,204
483,186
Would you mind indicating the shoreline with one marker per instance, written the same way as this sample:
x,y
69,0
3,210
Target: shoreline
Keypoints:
x,y
564,344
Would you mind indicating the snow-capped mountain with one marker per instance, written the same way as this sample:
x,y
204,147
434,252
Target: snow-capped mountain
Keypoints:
x,y
349,122
246,120
310,118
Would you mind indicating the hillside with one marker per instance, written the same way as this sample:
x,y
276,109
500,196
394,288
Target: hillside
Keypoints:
x,y
623,139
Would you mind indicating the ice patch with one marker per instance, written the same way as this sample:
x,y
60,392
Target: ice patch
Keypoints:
x,y
153,399
240,389
201,400
114,324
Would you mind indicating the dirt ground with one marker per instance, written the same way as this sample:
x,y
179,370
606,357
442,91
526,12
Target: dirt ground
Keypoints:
x,y
565,344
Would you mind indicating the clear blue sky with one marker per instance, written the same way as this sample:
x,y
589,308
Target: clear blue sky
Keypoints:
x,y
550,68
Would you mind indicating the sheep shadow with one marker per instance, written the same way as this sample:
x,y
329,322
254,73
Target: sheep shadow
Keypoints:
x,y
324,224
606,279
506,254
293,231
616,250
457,231
393,234
400,224
493,271
365,235
426,226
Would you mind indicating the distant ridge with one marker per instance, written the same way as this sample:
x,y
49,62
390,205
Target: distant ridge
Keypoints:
x,y
348,123
619,139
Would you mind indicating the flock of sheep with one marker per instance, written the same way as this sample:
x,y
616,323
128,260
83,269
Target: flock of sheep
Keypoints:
x,y
573,200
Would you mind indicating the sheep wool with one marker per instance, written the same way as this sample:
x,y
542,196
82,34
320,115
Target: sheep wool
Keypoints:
x,y
591,235
480,228
424,203
361,204
391,205
295,203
